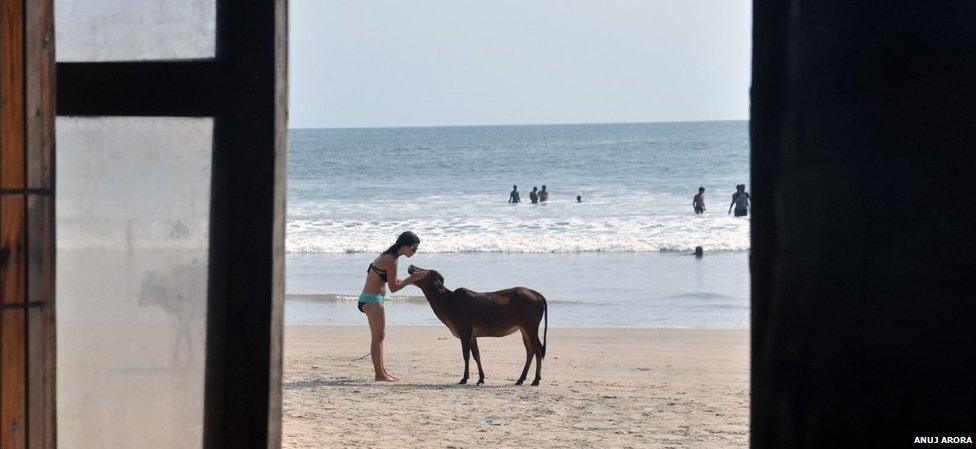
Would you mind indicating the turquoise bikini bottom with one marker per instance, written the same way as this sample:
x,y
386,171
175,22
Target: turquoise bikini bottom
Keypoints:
x,y
363,299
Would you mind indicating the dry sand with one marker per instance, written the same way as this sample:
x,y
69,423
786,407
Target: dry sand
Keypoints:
x,y
600,388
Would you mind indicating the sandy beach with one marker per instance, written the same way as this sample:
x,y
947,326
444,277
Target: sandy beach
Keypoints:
x,y
653,388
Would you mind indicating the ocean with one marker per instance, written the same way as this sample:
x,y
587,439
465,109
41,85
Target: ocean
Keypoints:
x,y
619,258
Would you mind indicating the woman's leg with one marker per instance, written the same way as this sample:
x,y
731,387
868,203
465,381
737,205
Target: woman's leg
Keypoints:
x,y
377,328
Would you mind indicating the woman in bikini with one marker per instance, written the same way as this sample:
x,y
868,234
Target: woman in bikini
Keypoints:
x,y
380,273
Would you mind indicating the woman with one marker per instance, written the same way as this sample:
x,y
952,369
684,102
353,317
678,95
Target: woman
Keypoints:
x,y
381,272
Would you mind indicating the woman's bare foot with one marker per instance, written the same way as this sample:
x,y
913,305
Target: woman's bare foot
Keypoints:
x,y
385,378
395,378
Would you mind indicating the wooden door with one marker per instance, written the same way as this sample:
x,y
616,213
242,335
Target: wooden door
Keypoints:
x,y
27,341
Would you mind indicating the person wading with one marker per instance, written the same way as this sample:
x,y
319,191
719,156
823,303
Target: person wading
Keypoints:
x,y
514,196
698,202
741,200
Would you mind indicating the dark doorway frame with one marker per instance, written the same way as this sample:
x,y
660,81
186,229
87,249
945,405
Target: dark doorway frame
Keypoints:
x,y
862,130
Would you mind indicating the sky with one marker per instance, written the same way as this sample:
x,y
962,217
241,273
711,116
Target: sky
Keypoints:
x,y
380,63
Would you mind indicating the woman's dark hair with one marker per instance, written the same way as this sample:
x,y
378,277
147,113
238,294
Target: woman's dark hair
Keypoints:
x,y
407,238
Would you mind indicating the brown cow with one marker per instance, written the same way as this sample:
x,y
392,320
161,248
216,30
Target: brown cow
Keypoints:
x,y
470,315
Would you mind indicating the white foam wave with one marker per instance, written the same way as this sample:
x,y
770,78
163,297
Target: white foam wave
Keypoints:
x,y
612,234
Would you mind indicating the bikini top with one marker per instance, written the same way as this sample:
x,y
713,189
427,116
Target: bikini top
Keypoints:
x,y
379,272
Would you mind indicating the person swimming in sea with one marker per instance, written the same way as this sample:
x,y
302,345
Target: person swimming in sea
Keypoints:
x,y
699,252
382,272
543,194
579,198
534,195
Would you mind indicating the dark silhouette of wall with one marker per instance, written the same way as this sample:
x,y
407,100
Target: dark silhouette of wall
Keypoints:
x,y
864,306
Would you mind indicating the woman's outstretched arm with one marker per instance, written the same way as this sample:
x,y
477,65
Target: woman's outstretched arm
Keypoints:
x,y
398,284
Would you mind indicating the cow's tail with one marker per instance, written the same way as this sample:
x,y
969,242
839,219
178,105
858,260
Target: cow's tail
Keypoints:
x,y
545,330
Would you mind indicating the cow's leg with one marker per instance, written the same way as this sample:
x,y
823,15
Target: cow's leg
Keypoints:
x,y
537,349
528,358
477,359
466,351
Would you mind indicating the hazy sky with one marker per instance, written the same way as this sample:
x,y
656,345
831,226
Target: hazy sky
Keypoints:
x,y
460,62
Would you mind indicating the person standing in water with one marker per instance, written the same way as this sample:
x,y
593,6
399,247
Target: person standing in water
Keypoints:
x,y
534,195
543,194
579,198
382,272
698,202
741,201
514,196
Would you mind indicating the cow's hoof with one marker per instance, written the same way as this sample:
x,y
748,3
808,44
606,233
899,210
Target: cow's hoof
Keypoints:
x,y
480,382
535,383
463,382
519,382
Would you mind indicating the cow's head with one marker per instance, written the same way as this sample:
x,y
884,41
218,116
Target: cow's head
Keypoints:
x,y
433,278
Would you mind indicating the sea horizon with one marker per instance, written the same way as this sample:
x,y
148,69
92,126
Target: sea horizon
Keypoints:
x,y
490,125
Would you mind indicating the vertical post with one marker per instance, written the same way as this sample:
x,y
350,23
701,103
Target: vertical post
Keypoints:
x,y
13,361
27,224
770,40
246,291
40,110
862,168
